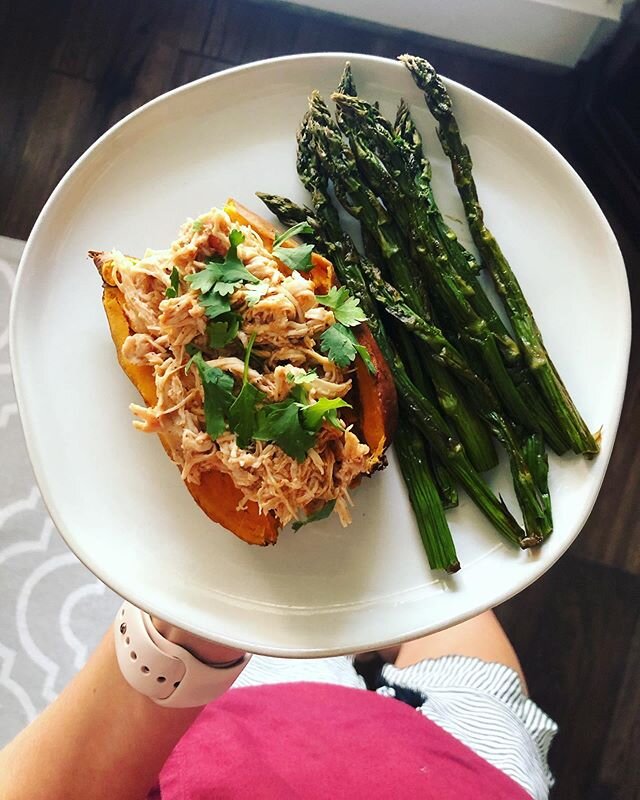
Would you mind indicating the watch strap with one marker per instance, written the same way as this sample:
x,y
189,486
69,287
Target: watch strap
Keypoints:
x,y
164,671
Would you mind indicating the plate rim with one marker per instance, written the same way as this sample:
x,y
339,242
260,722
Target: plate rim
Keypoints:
x,y
527,578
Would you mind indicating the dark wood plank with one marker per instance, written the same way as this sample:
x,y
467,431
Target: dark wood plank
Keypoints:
x,y
190,67
27,28
87,25
196,20
321,33
61,128
612,533
619,773
573,630
250,31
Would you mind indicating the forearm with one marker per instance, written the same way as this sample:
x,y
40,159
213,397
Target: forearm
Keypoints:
x,y
100,740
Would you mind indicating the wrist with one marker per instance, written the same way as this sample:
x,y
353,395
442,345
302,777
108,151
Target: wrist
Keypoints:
x,y
172,667
204,650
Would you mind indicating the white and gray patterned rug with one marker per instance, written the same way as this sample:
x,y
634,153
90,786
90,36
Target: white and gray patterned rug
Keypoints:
x,y
52,610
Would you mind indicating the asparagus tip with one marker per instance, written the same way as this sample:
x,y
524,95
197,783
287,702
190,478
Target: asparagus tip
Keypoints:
x,y
347,84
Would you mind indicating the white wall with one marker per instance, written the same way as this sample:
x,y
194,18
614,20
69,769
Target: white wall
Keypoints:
x,y
556,31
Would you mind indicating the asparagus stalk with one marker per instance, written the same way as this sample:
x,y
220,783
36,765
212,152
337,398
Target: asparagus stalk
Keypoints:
x,y
403,340
444,481
429,513
506,283
374,218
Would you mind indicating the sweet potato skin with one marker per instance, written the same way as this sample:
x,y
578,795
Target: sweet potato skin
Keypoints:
x,y
377,400
216,493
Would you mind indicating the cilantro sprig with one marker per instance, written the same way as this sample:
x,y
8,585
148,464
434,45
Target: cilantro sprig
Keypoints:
x,y
256,292
222,276
243,412
293,426
300,385
340,345
218,395
346,309
321,513
223,330
338,342
324,408
216,283
281,423
296,258
174,283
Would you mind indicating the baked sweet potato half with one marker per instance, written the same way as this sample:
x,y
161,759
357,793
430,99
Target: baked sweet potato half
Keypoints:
x,y
371,397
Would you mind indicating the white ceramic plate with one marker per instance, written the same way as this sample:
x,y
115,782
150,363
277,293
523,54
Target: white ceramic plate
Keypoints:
x,y
116,498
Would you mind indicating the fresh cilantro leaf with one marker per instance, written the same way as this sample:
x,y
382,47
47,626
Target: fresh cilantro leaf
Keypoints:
x,y
218,395
222,275
346,309
306,377
362,351
233,270
223,331
204,279
236,237
193,351
300,394
321,513
300,388
296,258
174,288
197,225
281,423
366,357
256,292
243,413
214,305
235,274
340,345
314,414
301,227
337,345
224,289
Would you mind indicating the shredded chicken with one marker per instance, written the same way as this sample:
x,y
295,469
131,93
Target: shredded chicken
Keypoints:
x,y
287,321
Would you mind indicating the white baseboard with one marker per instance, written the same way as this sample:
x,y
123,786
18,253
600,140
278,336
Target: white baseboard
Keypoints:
x,y
555,31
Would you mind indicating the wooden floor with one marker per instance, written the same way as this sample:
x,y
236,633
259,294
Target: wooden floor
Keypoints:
x,y
69,70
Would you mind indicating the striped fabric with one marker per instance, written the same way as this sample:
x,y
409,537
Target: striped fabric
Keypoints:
x,y
483,706
265,670
480,703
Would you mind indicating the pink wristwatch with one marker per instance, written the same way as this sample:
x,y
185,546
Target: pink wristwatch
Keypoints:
x,y
164,671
